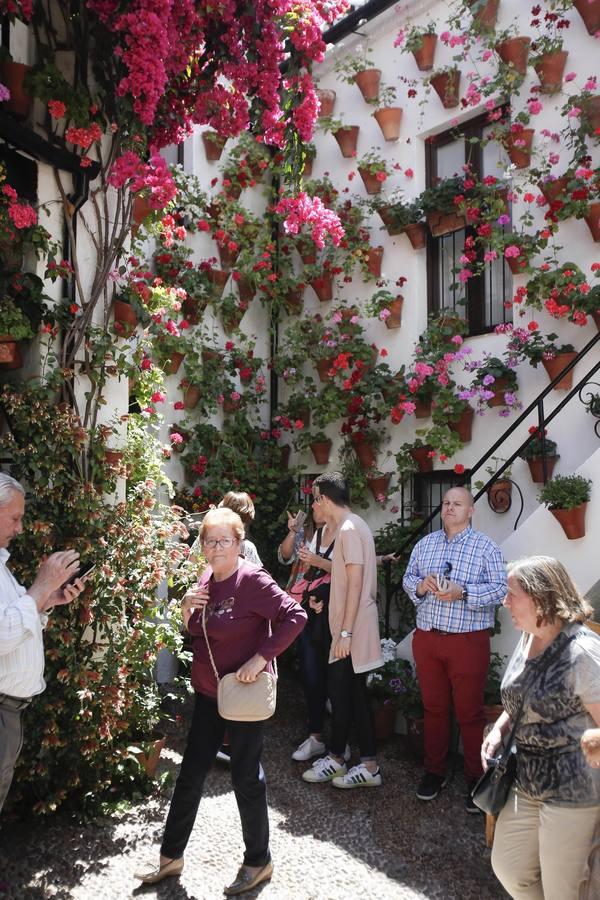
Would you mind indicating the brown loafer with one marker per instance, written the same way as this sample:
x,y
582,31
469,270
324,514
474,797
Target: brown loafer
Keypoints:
x,y
175,868
245,881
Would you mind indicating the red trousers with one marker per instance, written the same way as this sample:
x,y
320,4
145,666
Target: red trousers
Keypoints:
x,y
452,669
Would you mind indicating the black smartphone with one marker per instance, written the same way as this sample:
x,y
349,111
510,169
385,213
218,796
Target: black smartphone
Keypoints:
x,y
81,573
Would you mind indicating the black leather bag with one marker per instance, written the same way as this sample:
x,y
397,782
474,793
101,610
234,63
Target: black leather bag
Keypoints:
x,y
491,791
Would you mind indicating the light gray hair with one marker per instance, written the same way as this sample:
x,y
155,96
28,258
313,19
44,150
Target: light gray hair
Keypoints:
x,y
7,486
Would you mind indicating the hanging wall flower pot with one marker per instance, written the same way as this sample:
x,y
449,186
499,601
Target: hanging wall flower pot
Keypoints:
x,y
323,369
365,453
464,426
347,138
284,457
485,13
596,318
193,307
499,387
555,366
140,210
499,496
307,251
10,353
231,320
440,223
572,521
517,264
245,290
589,10
327,101
12,75
320,450
591,112
323,287
293,301
172,365
372,184
231,404
374,259
389,120
191,397
553,189
426,52
378,485
218,279
550,69
417,235
394,320
148,755
387,217
422,408
518,147
422,458
308,167
213,145
447,85
124,313
536,467
227,256
515,52
113,458
592,220
368,82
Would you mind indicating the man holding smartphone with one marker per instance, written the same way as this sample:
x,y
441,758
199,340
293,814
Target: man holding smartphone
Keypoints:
x,y
456,577
23,616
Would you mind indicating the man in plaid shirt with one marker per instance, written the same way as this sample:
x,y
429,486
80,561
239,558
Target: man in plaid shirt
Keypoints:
x,y
456,577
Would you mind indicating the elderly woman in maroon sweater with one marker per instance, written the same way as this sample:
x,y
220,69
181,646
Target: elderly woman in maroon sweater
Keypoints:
x,y
249,621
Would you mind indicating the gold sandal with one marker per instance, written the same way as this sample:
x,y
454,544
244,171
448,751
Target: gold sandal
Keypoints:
x,y
175,867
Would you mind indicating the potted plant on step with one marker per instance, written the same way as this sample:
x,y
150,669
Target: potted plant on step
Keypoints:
x,y
567,496
535,452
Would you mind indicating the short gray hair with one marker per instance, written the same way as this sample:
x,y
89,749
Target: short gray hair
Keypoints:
x,y
7,486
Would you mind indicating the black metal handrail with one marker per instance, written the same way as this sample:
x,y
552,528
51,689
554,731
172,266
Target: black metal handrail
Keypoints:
x,y
543,420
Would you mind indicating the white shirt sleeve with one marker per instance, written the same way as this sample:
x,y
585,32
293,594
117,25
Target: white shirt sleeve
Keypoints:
x,y
19,621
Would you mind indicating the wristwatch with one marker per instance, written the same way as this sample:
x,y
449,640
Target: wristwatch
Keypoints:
x,y
345,634
465,594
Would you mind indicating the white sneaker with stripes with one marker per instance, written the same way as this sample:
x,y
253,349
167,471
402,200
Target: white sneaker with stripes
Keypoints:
x,y
358,776
324,769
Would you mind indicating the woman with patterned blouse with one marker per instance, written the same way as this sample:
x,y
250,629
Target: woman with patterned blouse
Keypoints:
x,y
544,833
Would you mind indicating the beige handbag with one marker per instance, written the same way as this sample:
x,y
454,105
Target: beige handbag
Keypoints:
x,y
240,701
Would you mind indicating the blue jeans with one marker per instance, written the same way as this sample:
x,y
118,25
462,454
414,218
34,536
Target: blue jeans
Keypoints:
x,y
313,668
247,777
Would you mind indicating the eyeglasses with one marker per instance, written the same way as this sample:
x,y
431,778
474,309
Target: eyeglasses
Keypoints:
x,y
224,543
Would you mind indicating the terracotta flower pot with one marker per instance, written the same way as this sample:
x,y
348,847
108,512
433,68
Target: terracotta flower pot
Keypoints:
x,y
591,111
555,366
499,495
124,313
284,457
213,145
426,52
303,415
218,279
323,287
592,220
368,82
320,450
518,147
12,75
211,358
227,256
553,189
572,521
440,223
230,405
378,485
422,408
394,320
293,301
307,251
447,86
323,368
365,453
10,354
173,364
327,101
515,52
485,13
589,10
149,754
387,217
550,69
308,167
499,387
389,120
464,426
422,458
347,138
245,290
140,210
113,458
517,264
374,259
372,184
191,397
596,318
536,467
193,307
231,320
384,718
417,235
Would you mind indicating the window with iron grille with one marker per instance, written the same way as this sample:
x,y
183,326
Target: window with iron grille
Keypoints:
x,y
481,299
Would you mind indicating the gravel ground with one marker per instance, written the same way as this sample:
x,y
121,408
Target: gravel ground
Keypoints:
x,y
380,843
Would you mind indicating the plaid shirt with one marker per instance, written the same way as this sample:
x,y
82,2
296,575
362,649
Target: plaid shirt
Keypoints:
x,y
471,560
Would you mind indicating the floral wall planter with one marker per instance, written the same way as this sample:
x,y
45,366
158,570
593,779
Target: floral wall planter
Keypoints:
x,y
323,288
441,223
321,450
368,82
550,70
417,235
173,364
536,467
378,485
485,13
374,260
515,52
464,426
447,86
499,387
422,408
572,521
365,453
518,147
347,138
389,120
394,320
323,369
500,495
589,10
371,182
387,217
124,313
422,457
12,75
327,101
553,189
213,145
10,353
424,55
192,396
227,256
140,210
592,220
555,366
218,278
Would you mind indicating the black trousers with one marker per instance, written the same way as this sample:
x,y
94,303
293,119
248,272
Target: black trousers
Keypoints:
x,y
247,778
350,703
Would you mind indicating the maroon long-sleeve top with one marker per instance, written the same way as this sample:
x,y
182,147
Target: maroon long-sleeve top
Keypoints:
x,y
247,613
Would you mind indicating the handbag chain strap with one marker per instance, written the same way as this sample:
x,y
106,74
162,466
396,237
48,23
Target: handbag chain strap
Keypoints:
x,y
503,761
212,659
